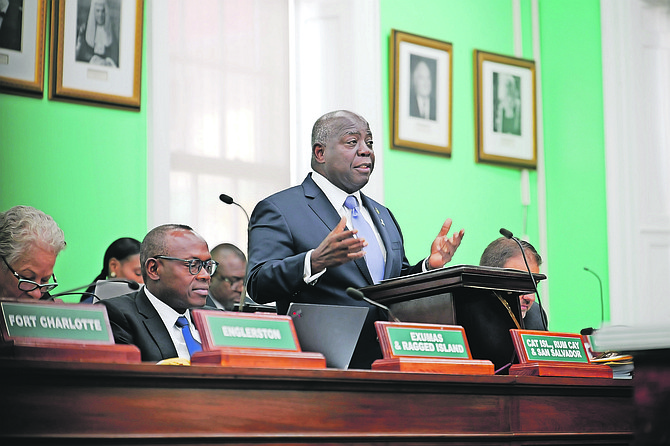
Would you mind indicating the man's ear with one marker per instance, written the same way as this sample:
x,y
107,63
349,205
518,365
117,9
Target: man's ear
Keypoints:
x,y
152,267
318,153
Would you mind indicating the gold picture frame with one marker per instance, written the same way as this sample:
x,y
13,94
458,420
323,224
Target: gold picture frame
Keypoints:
x,y
505,110
421,93
96,52
22,34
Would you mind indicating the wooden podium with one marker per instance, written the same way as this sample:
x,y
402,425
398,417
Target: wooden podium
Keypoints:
x,y
483,300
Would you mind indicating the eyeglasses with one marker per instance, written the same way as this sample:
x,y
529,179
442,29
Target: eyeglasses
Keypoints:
x,y
29,285
195,265
232,280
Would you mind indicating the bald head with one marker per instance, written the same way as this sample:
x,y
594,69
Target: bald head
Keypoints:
x,y
501,250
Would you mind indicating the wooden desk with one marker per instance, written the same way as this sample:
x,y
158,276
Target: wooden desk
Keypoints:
x,y
110,404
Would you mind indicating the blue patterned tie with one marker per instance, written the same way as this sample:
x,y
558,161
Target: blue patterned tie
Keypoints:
x,y
192,345
373,252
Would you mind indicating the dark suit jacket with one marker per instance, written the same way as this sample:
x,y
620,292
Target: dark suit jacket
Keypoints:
x,y
285,226
533,319
134,320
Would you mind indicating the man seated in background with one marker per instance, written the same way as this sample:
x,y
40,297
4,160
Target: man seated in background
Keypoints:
x,y
228,281
505,253
177,269
30,241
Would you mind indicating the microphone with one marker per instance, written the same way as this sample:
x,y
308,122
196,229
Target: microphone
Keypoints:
x,y
358,295
508,235
226,199
602,301
229,200
131,283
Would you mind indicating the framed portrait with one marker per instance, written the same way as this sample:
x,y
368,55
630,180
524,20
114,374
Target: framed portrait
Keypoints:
x,y
96,51
22,30
421,92
505,110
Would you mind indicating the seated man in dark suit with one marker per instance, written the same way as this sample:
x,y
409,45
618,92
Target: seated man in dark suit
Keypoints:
x,y
228,282
311,242
177,268
505,253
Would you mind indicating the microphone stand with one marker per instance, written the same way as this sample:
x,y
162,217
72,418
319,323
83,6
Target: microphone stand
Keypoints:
x,y
131,283
358,295
229,200
70,293
508,234
602,302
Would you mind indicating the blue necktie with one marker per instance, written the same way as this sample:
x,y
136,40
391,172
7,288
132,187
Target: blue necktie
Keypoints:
x,y
192,345
373,253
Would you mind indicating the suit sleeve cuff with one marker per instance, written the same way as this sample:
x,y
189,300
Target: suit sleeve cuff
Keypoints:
x,y
424,265
307,270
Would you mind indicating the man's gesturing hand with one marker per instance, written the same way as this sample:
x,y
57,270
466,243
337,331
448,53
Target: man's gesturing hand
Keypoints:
x,y
340,246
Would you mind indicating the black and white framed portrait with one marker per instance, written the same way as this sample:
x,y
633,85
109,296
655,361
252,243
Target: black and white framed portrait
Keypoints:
x,y
505,110
422,96
421,91
22,30
98,24
96,51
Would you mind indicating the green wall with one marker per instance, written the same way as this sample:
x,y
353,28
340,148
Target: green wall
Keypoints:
x,y
84,165
575,160
422,189
87,165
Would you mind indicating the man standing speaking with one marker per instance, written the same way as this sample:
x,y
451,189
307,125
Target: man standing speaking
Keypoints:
x,y
309,243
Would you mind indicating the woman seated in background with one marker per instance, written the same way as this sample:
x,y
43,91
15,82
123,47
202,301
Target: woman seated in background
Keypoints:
x,y
121,261
30,241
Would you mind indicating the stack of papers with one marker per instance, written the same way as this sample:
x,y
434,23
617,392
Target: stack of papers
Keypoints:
x,y
622,365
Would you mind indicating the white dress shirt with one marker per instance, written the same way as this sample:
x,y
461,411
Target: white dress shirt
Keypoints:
x,y
336,196
169,318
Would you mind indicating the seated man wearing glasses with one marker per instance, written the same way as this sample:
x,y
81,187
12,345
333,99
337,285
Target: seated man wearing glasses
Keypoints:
x,y
30,241
176,268
228,282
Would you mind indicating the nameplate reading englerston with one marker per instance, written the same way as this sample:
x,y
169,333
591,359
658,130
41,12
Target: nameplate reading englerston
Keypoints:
x,y
250,340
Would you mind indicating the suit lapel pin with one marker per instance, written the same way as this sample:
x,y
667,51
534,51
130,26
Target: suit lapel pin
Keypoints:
x,y
380,219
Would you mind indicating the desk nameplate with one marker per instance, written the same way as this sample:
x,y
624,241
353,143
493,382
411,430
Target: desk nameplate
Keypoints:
x,y
251,340
427,348
54,331
553,354
55,322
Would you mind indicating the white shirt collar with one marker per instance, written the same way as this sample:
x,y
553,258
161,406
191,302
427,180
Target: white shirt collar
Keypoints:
x,y
166,312
335,195
217,304
169,317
